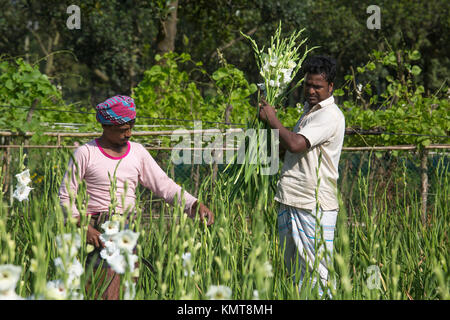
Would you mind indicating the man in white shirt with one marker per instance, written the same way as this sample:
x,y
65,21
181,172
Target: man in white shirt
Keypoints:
x,y
307,189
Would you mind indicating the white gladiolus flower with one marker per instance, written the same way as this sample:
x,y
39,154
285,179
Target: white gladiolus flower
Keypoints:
x,y
9,275
119,263
68,238
24,177
186,257
22,192
126,240
109,252
284,70
10,295
286,75
111,227
111,247
273,61
74,271
75,295
59,263
68,243
359,87
261,86
267,268
255,295
106,239
186,273
218,293
291,64
76,268
187,264
56,290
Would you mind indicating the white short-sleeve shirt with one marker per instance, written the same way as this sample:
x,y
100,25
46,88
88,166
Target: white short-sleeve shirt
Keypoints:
x,y
323,125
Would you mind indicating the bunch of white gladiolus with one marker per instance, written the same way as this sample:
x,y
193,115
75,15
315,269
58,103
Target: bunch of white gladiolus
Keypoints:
x,y
68,270
118,252
278,67
119,245
276,74
68,267
280,64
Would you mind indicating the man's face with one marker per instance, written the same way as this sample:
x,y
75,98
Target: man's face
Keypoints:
x,y
317,88
118,134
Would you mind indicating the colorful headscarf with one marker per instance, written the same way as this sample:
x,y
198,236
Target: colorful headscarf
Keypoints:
x,y
116,110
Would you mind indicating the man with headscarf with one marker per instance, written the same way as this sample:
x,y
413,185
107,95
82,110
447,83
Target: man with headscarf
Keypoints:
x,y
113,155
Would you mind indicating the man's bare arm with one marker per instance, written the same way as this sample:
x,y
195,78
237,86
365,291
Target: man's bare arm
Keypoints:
x,y
289,140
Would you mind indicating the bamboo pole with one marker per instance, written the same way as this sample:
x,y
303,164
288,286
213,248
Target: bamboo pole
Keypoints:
x,y
17,146
347,149
60,135
398,147
424,182
135,133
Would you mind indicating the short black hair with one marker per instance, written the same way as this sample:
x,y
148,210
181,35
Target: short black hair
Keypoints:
x,y
321,65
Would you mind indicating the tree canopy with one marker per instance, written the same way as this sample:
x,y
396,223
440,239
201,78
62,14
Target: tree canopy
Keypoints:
x,y
120,45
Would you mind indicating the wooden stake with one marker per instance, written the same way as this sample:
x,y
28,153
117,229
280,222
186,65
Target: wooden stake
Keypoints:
x,y
424,179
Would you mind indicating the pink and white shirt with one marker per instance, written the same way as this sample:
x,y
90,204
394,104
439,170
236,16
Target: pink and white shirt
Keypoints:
x,y
96,167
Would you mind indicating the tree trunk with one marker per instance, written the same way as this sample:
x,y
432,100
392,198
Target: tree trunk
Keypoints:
x,y
165,41
426,73
52,43
228,110
27,48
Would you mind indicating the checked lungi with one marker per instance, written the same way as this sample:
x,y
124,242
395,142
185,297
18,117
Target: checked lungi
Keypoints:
x,y
306,236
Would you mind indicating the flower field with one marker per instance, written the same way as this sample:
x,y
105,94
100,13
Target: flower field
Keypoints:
x,y
383,252
226,73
